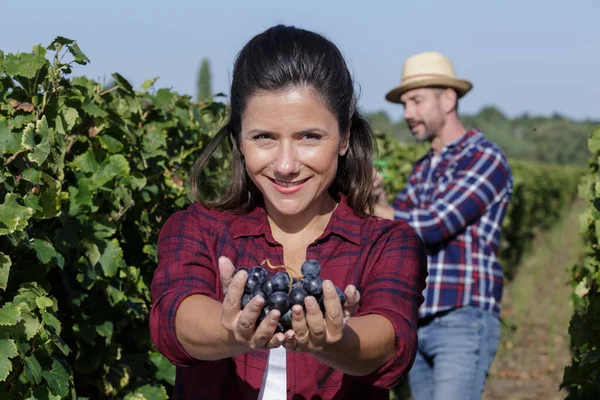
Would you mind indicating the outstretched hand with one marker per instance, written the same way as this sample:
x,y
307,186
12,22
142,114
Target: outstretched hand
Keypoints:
x,y
315,331
242,323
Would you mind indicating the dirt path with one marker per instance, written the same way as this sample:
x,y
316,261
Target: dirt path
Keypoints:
x,y
536,312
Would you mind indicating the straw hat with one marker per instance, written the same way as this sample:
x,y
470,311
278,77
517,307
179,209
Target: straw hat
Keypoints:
x,y
428,69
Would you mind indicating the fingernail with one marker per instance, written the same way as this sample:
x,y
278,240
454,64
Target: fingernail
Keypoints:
x,y
311,302
240,276
328,285
274,317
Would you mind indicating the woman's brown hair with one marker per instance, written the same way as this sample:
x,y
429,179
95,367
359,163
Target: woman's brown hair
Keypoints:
x,y
280,58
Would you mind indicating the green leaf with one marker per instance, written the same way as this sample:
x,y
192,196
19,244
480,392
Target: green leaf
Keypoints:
x,y
86,162
154,143
112,258
165,370
13,216
123,83
93,110
105,330
50,201
81,198
24,64
115,166
31,324
5,264
148,83
60,41
78,55
111,144
70,116
10,142
51,320
33,369
46,252
42,149
8,350
44,393
28,138
43,302
58,379
594,141
148,392
9,314
33,175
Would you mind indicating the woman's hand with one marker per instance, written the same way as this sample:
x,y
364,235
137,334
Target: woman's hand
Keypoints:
x,y
315,331
242,323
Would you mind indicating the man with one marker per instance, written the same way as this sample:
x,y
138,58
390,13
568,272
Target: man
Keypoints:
x,y
456,199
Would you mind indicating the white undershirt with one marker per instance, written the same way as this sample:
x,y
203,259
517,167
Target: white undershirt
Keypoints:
x,y
274,383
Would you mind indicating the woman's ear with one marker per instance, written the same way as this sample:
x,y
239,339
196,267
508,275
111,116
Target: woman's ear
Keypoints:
x,y
345,142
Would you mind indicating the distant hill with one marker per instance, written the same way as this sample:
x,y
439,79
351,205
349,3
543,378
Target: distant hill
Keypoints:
x,y
554,139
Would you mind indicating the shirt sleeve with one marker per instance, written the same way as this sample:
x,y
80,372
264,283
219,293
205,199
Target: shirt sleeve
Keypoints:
x,y
481,178
393,288
184,268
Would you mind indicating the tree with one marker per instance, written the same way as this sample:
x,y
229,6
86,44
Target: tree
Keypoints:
x,y
204,81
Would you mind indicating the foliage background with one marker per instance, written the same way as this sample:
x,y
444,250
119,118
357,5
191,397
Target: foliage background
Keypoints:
x,y
88,174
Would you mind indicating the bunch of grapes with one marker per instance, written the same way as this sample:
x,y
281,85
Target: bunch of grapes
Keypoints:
x,y
281,292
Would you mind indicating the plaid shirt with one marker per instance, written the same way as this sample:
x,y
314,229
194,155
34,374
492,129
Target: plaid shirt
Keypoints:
x,y
384,259
457,208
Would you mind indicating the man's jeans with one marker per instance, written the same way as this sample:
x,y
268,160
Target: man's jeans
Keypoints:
x,y
454,355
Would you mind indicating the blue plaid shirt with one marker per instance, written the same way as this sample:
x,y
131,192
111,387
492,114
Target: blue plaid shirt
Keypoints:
x,y
457,207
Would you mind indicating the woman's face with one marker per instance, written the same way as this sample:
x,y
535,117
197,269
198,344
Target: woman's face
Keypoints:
x,y
291,143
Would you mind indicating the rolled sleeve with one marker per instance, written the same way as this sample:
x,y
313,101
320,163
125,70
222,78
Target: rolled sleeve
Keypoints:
x,y
393,290
184,269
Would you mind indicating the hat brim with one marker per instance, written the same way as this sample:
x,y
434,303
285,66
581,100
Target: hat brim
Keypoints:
x,y
461,86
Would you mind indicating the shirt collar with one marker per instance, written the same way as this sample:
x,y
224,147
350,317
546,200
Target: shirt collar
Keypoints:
x,y
343,222
460,143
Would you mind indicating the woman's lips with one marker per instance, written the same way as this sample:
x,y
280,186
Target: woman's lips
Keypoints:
x,y
287,187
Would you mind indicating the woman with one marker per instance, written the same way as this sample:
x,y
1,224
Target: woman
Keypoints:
x,y
301,183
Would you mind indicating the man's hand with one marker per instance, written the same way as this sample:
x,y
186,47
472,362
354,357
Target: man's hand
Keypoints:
x,y
379,189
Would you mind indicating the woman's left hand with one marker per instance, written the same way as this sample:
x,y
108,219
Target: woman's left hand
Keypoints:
x,y
315,331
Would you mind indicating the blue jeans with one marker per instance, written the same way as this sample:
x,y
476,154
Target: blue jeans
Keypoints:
x,y
454,355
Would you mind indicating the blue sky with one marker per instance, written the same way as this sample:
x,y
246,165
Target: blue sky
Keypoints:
x,y
535,56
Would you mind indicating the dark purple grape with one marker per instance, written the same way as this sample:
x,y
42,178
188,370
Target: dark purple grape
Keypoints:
x,y
281,282
311,268
259,272
263,314
246,299
279,301
280,328
297,296
252,284
313,285
262,294
286,320
267,287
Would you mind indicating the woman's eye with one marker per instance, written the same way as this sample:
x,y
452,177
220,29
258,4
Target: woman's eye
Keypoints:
x,y
311,136
260,136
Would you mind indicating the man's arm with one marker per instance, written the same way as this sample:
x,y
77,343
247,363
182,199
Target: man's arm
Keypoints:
x,y
481,178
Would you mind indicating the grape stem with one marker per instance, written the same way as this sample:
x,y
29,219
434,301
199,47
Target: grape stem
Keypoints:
x,y
289,270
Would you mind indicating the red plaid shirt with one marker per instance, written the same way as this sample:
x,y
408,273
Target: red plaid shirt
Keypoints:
x,y
384,259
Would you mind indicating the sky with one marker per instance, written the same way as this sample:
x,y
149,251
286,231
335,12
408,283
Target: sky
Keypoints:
x,y
533,56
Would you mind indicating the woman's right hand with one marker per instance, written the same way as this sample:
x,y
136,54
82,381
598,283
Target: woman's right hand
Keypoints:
x,y
242,323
